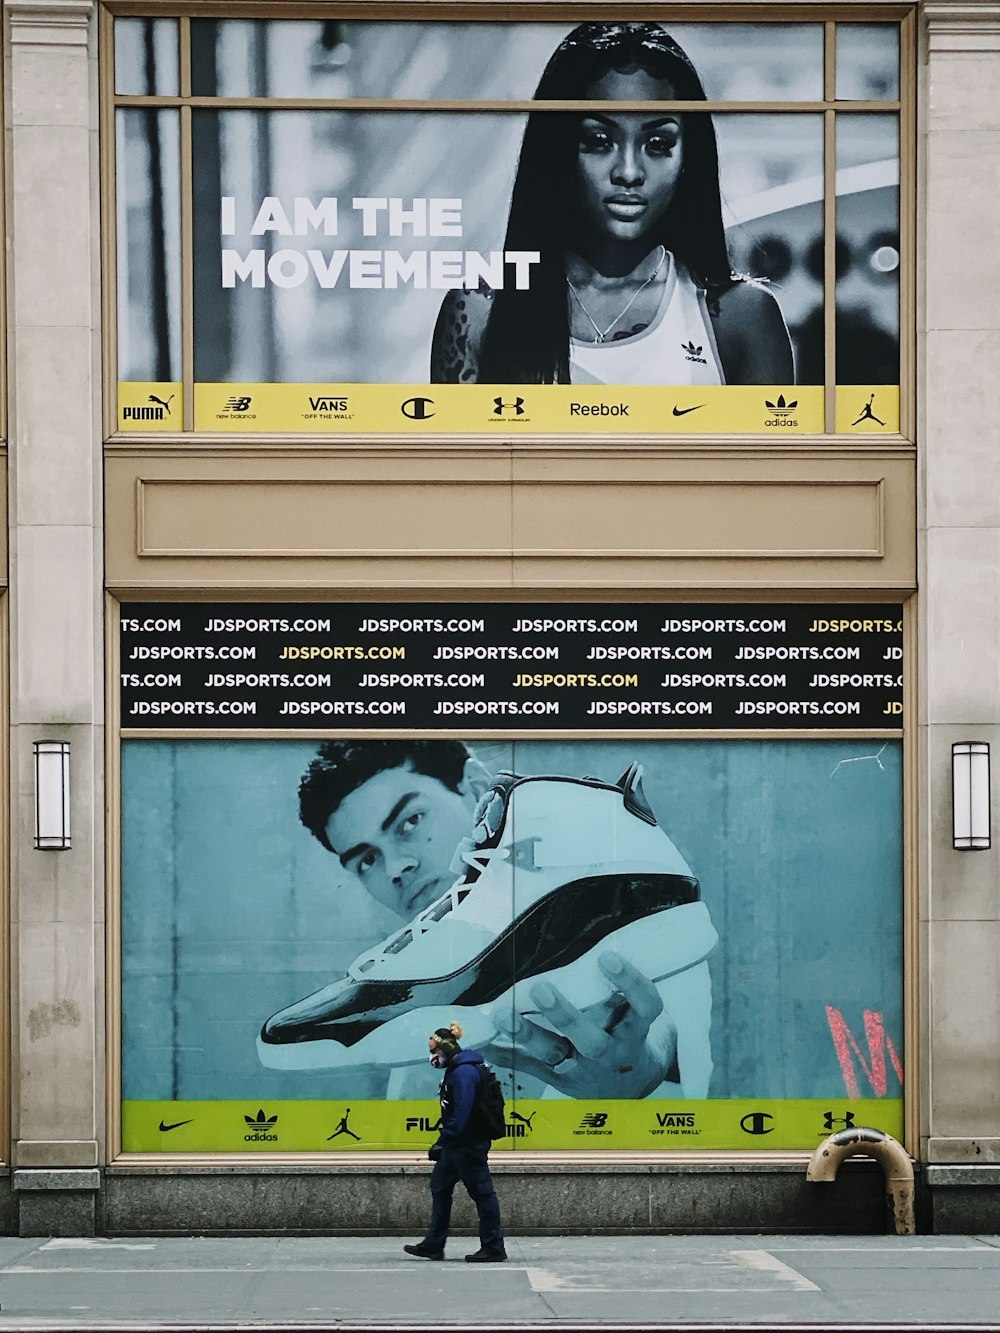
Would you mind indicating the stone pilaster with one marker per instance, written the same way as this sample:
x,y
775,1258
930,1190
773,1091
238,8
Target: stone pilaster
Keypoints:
x,y
960,568
55,583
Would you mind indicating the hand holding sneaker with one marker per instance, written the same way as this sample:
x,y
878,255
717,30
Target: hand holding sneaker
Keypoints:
x,y
600,1052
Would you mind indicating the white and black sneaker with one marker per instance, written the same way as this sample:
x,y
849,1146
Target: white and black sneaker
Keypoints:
x,y
559,869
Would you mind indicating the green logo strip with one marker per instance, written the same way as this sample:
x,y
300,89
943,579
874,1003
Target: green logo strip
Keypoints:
x,y
557,1125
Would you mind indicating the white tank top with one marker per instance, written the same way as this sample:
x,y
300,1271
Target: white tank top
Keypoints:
x,y
678,347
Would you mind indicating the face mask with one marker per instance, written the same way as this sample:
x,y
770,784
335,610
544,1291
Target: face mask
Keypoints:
x,y
438,1059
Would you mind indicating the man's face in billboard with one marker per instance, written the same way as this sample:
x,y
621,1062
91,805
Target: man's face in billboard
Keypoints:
x,y
398,832
628,162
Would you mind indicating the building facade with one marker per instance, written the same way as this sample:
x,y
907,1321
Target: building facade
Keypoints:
x,y
438,589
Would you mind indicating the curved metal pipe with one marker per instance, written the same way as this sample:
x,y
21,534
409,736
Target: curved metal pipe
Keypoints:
x,y
891,1156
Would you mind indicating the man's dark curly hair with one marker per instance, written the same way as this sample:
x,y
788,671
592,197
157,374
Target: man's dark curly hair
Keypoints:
x,y
340,767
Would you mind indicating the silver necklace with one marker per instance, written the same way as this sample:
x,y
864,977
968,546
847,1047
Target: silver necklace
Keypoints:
x,y
602,334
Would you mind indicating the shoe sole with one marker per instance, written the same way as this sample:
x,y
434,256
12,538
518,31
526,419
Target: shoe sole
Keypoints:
x,y
660,944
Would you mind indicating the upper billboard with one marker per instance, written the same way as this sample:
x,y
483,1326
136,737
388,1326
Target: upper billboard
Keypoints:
x,y
627,221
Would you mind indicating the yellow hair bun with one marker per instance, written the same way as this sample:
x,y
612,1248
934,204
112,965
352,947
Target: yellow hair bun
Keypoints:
x,y
455,1029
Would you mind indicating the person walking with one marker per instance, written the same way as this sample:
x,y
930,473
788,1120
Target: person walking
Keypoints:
x,y
461,1153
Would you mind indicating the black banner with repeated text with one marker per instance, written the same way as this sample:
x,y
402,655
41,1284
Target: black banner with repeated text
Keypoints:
x,y
409,666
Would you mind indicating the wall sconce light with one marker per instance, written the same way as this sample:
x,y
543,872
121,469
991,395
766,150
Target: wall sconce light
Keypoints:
x,y
52,833
970,796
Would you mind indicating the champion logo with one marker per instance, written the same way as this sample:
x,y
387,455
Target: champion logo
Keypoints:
x,y
693,353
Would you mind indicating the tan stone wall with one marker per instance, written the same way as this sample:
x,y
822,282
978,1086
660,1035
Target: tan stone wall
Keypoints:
x,y
56,668
959,553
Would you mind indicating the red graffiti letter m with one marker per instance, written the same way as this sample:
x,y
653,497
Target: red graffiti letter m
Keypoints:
x,y
847,1048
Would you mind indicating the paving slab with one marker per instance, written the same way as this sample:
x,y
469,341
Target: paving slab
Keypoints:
x,y
771,1282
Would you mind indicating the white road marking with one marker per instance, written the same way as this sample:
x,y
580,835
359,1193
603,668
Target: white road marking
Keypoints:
x,y
95,1243
20,1270
762,1261
896,1248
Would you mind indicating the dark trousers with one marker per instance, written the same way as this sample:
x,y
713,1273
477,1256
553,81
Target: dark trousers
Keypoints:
x,y
470,1165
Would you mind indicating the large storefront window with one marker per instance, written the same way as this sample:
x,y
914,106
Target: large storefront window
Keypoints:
x,y
413,229
685,941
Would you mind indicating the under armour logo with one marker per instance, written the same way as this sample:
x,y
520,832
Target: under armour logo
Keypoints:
x,y
829,1120
516,406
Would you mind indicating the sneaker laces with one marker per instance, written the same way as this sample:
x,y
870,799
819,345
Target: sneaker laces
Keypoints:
x,y
472,853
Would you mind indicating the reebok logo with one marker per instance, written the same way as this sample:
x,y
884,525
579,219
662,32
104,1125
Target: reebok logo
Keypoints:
x,y
598,409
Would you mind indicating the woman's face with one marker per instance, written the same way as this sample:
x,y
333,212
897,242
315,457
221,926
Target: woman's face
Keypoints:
x,y
628,162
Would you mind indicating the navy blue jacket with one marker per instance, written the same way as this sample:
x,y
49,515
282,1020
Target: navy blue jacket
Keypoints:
x,y
459,1094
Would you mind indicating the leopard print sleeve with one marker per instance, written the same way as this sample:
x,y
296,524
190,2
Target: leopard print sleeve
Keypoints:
x,y
458,336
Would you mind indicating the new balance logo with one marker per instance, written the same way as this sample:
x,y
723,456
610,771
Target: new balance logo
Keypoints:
x,y
594,1120
238,404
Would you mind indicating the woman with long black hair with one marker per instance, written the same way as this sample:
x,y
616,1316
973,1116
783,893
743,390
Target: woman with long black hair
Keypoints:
x,y
634,283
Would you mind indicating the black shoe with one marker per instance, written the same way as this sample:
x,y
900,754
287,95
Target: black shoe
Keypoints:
x,y
422,1252
486,1257
655,905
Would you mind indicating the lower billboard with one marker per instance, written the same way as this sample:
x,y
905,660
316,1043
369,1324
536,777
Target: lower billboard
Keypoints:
x,y
656,944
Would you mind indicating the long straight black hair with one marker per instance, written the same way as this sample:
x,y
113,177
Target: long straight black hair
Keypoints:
x,y
527,336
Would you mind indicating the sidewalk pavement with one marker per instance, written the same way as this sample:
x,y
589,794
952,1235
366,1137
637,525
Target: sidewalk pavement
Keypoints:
x,y
769,1281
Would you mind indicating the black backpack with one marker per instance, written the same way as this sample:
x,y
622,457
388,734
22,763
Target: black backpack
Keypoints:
x,y
489,1107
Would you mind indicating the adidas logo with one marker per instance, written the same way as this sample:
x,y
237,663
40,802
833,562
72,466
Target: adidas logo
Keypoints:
x,y
782,411
261,1125
781,407
693,353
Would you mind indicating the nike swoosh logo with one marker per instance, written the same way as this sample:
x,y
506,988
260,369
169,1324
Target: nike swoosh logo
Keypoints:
x,y
165,1129
683,411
